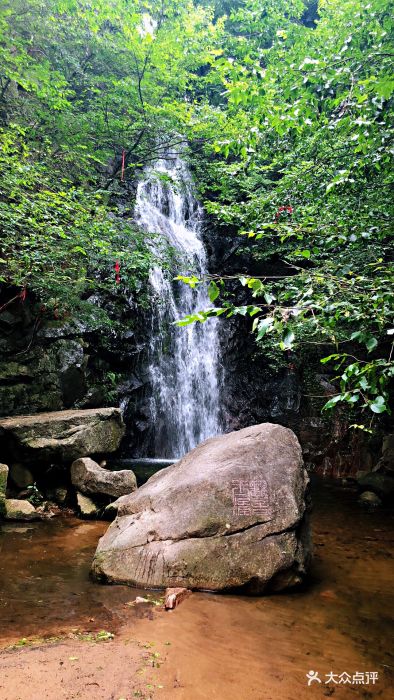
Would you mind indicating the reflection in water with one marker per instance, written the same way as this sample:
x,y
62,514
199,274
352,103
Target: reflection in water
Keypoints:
x,y
44,579
223,647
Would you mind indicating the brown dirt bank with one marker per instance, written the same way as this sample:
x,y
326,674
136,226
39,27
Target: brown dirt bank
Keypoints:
x,y
85,670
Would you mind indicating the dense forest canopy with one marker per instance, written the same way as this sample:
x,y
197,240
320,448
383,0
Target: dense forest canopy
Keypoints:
x,y
285,108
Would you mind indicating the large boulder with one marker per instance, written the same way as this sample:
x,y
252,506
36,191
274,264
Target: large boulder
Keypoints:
x,y
230,514
3,487
61,436
89,478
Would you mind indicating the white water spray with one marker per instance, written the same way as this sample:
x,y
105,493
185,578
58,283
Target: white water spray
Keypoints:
x,y
184,362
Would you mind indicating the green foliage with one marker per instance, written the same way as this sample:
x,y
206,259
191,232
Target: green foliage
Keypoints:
x,y
34,497
58,240
297,160
83,86
288,121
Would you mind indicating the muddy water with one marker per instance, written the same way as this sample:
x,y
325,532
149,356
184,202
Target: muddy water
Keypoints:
x,y
225,647
44,580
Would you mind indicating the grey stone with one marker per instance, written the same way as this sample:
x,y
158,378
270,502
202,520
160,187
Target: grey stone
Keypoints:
x,y
16,509
21,475
60,495
50,378
370,499
3,487
86,506
62,436
89,478
229,514
380,483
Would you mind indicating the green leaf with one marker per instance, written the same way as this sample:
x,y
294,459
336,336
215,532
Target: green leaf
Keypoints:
x,y
287,339
269,298
213,291
191,281
378,405
363,382
330,358
332,402
263,326
371,343
78,249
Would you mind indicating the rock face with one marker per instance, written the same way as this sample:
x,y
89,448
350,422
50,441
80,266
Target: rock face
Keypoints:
x,y
230,514
89,478
61,436
20,510
386,462
3,487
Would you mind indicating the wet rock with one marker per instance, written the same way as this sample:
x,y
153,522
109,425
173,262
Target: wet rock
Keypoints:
x,y
370,499
3,487
51,377
21,476
230,514
60,495
62,436
20,510
89,478
380,483
87,508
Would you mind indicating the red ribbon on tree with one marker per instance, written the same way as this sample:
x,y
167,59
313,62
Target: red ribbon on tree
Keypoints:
x,y
117,272
123,164
287,208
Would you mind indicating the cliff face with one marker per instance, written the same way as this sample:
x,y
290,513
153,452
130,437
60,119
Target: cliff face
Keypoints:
x,y
52,365
49,365
291,392
288,388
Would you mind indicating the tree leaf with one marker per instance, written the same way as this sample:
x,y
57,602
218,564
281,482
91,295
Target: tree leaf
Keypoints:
x,y
213,291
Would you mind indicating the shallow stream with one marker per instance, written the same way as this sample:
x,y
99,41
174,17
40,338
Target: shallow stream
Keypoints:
x,y
224,646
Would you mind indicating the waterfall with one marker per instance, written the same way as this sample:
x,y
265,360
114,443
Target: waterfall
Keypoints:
x,y
183,365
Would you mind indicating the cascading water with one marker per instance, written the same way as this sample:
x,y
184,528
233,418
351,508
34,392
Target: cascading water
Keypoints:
x,y
184,362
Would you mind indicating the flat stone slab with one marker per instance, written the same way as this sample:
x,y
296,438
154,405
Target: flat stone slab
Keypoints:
x,y
61,436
